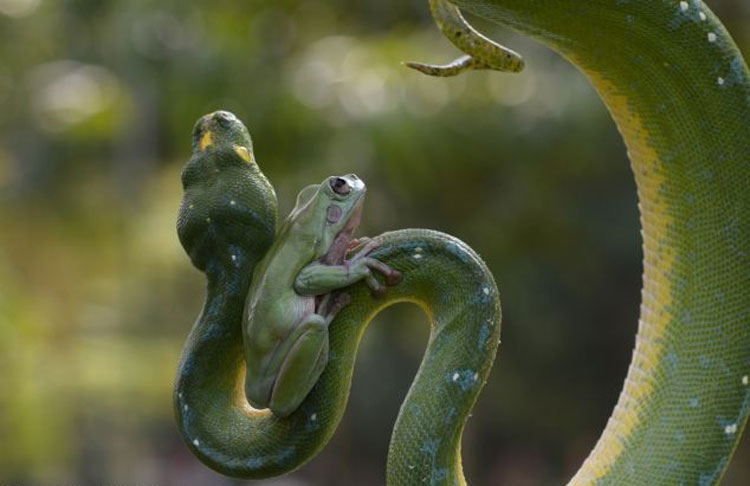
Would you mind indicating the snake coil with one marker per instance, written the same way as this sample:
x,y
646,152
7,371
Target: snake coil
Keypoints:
x,y
679,91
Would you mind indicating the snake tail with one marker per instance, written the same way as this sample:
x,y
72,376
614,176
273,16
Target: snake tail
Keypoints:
x,y
481,52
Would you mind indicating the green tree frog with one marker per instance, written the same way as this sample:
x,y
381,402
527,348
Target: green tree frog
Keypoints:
x,y
292,297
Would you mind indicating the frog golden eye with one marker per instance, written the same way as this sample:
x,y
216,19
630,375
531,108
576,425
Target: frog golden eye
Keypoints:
x,y
340,186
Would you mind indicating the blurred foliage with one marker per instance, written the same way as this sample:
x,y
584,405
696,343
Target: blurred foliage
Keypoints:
x,y
96,296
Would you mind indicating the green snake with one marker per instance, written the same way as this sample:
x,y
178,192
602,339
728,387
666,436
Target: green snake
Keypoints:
x,y
679,91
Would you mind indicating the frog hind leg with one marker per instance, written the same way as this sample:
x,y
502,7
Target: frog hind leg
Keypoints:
x,y
332,303
302,367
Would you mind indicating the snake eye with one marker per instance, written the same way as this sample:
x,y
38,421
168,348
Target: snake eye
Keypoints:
x,y
340,186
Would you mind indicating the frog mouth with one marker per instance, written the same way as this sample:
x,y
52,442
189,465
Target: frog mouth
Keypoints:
x,y
337,251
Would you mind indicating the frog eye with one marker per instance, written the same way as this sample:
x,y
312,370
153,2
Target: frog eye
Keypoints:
x,y
340,186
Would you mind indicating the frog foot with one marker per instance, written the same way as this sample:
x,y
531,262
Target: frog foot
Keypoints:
x,y
363,247
394,277
357,244
337,302
391,276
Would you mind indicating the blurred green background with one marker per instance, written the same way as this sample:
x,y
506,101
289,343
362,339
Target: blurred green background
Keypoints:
x,y
98,99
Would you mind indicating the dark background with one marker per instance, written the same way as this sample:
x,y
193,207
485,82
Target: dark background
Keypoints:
x,y
98,99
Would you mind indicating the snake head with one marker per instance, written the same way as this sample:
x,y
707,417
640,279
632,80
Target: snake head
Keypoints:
x,y
228,211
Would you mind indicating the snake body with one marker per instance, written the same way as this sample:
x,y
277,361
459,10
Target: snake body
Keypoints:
x,y
679,92
226,224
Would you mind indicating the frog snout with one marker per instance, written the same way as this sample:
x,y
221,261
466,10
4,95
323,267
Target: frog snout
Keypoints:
x,y
356,183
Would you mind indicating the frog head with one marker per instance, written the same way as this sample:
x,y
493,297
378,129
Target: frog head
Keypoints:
x,y
328,214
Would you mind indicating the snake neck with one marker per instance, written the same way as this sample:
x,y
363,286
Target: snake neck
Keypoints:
x,y
211,361
213,416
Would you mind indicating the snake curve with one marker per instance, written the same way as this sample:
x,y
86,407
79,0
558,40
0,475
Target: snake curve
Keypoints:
x,y
679,91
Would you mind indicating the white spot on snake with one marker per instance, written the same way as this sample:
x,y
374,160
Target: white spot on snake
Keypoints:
x,y
711,37
684,6
730,429
411,466
185,407
179,395
476,376
746,380
418,249
694,403
234,257
455,376
720,80
702,16
486,291
314,417
191,206
208,220
232,202
417,256
196,443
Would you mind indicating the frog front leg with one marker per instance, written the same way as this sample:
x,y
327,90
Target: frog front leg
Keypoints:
x,y
319,278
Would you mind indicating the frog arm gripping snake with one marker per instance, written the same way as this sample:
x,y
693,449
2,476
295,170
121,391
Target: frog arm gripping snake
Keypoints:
x,y
679,92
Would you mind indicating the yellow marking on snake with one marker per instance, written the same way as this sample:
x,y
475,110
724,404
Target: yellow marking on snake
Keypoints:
x,y
240,399
243,152
207,139
656,295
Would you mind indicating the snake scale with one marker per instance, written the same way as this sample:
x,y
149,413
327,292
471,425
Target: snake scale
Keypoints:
x,y
679,91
